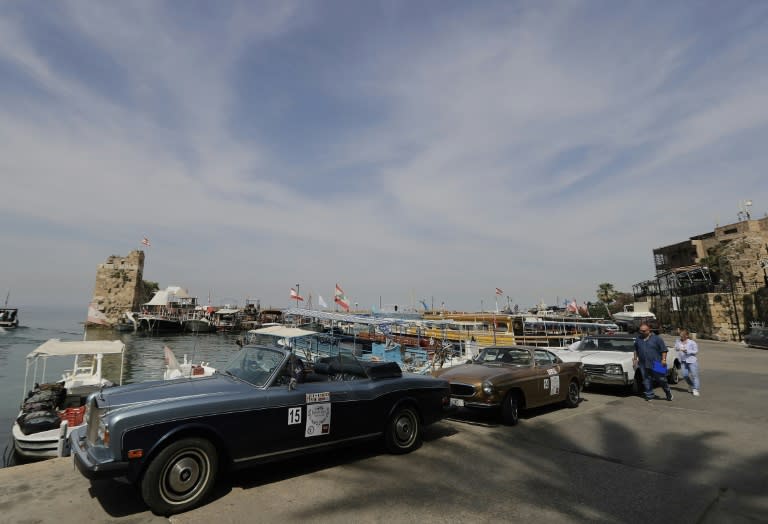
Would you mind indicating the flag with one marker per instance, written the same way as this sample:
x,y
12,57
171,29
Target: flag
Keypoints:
x,y
584,310
295,296
499,291
573,307
321,301
340,298
145,241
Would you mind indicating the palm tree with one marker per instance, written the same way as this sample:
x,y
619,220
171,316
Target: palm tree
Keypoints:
x,y
606,293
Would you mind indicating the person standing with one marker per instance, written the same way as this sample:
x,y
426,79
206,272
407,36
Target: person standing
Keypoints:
x,y
651,359
689,351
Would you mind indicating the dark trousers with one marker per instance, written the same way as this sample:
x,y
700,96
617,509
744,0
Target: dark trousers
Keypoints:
x,y
649,376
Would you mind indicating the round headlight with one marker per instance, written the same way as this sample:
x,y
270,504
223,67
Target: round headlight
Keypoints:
x,y
487,388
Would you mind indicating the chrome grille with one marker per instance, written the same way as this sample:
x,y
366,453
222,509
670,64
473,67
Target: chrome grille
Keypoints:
x,y
594,369
462,390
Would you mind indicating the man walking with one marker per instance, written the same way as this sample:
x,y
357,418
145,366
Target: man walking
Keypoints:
x,y
651,358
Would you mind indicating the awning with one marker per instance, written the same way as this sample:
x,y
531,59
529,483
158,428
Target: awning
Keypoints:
x,y
57,348
283,332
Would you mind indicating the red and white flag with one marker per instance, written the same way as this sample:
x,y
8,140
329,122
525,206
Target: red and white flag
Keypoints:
x,y
499,291
145,241
573,307
340,298
295,295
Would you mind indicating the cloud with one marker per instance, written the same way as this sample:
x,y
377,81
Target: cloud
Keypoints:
x,y
407,151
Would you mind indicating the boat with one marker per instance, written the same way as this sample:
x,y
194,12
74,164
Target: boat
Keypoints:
x,y
9,316
185,369
166,311
199,321
50,411
633,315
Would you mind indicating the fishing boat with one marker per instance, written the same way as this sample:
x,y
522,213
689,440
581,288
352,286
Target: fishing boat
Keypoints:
x,y
184,369
50,410
9,316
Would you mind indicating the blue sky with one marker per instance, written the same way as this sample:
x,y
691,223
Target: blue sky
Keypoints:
x,y
407,150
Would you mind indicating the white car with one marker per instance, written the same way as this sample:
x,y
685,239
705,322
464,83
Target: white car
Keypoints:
x,y
608,359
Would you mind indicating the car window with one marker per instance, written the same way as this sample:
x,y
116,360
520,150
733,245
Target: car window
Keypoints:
x,y
543,358
515,356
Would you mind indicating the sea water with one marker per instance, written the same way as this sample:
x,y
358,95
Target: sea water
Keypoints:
x,y
144,357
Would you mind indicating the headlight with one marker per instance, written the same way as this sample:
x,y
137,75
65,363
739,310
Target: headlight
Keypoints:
x,y
614,369
103,433
487,388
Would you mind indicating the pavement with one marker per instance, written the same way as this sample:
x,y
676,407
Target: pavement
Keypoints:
x,y
614,458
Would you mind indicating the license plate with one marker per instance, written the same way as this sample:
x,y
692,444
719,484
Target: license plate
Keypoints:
x,y
458,402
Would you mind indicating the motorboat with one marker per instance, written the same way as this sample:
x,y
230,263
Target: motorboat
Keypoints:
x,y
50,410
184,369
9,317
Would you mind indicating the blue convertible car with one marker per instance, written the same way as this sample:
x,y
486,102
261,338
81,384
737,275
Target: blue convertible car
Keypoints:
x,y
173,438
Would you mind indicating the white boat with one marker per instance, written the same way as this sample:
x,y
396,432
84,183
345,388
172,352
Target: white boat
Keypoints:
x,y
185,369
9,316
49,411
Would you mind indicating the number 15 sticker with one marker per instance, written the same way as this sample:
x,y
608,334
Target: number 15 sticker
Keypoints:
x,y
294,416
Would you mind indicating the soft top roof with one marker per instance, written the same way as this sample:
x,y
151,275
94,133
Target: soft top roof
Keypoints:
x,y
55,347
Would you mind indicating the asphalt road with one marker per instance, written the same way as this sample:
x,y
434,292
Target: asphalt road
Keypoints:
x,y
614,458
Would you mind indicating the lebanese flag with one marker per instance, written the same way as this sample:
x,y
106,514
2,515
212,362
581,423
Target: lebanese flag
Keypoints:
x,y
145,241
499,291
295,296
340,298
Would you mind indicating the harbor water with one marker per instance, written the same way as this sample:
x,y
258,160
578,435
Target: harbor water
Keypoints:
x,y
144,357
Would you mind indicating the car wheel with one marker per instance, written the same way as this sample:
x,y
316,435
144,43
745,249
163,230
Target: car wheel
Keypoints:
x,y
574,395
674,375
403,433
510,410
180,476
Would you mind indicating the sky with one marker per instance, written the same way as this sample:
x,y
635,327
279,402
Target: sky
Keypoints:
x,y
430,150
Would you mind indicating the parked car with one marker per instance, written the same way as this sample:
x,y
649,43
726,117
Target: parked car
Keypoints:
x,y
608,359
509,379
173,438
757,337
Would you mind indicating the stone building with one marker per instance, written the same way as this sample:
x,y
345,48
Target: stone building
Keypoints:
x,y
119,288
715,284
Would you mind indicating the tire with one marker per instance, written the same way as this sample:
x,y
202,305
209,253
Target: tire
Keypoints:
x,y
574,395
403,432
674,375
180,476
510,410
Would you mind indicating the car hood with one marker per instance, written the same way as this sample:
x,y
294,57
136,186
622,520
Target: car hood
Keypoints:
x,y
602,357
214,386
479,372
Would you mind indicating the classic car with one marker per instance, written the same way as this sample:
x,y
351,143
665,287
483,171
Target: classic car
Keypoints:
x,y
608,359
173,438
511,378
757,336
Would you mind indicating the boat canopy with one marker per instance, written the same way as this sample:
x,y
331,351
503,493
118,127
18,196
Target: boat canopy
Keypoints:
x,y
340,317
169,294
283,332
58,348
226,311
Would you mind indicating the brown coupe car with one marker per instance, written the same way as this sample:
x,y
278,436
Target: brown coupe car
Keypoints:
x,y
513,378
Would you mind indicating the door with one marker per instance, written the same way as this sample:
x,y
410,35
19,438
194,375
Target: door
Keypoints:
x,y
551,385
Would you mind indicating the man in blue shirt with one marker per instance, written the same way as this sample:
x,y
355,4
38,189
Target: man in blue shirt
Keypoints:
x,y
651,358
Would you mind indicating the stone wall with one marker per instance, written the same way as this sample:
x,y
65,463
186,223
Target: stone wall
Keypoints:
x,y
118,286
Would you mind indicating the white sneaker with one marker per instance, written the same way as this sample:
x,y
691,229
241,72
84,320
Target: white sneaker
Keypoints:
x,y
695,392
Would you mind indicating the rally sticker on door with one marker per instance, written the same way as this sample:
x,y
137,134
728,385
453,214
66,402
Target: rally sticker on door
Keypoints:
x,y
325,396
318,419
554,385
294,416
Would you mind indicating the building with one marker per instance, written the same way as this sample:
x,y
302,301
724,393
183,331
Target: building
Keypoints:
x,y
118,288
715,284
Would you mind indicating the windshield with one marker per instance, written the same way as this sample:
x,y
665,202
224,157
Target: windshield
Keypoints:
x,y
515,356
626,345
255,364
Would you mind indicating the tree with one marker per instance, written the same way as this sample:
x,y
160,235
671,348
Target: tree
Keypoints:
x,y
606,293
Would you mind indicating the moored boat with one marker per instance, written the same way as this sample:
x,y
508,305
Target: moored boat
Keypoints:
x,y
49,411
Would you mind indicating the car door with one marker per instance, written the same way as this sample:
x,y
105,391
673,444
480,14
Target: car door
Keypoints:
x,y
306,414
549,373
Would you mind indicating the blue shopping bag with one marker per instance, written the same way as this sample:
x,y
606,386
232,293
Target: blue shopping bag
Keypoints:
x,y
659,368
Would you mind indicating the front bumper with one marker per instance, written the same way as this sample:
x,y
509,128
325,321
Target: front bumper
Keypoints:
x,y
606,378
88,465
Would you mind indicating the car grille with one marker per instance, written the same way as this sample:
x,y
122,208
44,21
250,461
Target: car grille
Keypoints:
x,y
594,369
462,390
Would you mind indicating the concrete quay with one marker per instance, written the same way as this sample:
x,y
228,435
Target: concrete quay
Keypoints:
x,y
615,458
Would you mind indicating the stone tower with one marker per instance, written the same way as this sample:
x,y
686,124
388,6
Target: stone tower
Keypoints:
x,y
118,288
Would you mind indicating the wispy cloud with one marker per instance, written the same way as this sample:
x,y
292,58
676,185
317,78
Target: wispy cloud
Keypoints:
x,y
437,150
